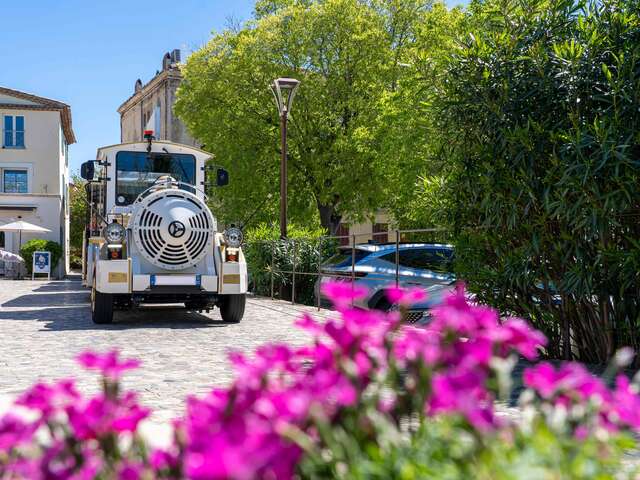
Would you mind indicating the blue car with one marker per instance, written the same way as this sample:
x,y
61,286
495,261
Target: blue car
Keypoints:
x,y
425,265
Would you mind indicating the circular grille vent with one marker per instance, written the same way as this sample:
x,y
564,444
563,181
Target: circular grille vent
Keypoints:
x,y
173,229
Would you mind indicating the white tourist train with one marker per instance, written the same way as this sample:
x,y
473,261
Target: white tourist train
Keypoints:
x,y
150,236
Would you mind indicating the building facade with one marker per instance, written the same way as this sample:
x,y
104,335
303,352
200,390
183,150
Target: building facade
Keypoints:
x,y
34,169
154,100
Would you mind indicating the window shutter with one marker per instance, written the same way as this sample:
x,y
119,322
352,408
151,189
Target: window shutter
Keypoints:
x,y
19,131
8,131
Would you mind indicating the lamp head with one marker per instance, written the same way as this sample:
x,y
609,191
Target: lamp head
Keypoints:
x,y
284,90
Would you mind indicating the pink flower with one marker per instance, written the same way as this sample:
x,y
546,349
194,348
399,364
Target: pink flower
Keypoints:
x,y
130,471
108,363
14,432
523,338
405,297
626,403
542,378
101,415
342,294
463,393
48,398
163,460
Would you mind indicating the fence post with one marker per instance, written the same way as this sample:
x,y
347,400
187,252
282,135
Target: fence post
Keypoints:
x,y
353,264
293,280
318,283
273,253
397,257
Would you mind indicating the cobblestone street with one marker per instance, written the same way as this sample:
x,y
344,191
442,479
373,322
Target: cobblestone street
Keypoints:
x,y
44,325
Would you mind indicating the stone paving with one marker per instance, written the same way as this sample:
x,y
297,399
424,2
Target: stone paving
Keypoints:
x,y
44,325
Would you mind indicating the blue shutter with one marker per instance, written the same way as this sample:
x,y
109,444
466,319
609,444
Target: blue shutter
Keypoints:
x,y
8,131
19,131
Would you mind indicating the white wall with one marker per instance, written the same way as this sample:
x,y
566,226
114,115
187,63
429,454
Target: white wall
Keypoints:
x,y
44,158
42,149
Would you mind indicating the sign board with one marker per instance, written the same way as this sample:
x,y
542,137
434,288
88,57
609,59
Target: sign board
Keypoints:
x,y
41,263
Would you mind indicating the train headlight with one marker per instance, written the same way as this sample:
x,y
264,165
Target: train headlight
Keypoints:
x,y
233,237
114,233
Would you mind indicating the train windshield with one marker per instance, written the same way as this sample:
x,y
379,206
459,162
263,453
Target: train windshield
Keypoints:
x,y
137,171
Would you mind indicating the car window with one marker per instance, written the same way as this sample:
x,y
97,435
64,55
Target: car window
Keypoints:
x,y
343,259
439,260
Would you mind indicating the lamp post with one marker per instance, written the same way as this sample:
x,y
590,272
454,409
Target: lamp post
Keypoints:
x,y
284,90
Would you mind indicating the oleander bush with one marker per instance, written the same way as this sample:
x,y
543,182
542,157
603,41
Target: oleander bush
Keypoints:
x,y
36,245
368,397
538,121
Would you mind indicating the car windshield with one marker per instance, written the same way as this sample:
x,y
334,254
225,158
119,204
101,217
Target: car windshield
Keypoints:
x,y
343,259
137,171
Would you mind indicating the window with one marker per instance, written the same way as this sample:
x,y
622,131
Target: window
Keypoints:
x,y
137,171
343,231
380,232
439,260
15,181
63,143
157,125
13,131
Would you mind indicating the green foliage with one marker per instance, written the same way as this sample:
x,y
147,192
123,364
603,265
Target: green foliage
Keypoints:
x,y
442,449
351,150
267,255
77,221
38,244
539,127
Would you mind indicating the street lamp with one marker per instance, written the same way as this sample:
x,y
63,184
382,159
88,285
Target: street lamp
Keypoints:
x,y
284,90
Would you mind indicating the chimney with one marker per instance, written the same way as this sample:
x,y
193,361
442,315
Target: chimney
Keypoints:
x,y
175,56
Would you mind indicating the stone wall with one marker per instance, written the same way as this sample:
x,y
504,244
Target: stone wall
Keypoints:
x,y
158,95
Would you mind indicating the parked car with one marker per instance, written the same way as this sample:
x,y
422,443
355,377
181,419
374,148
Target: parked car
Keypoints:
x,y
425,265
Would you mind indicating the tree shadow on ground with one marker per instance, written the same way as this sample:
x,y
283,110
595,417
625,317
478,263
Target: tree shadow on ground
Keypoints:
x,y
79,318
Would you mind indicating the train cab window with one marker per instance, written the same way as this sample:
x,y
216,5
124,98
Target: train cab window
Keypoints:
x,y
137,171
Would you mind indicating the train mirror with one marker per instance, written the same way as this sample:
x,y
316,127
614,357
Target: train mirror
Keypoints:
x,y
222,177
88,170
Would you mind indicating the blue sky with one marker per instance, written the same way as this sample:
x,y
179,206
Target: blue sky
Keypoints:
x,y
90,53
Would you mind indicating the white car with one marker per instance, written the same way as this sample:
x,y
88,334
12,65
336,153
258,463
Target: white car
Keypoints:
x,y
428,266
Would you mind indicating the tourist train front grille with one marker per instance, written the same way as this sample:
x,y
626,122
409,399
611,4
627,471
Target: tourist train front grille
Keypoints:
x,y
173,229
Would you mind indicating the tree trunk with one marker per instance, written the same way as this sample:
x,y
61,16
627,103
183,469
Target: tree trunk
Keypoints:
x,y
329,219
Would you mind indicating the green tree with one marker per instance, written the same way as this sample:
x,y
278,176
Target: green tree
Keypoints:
x,y
78,219
351,57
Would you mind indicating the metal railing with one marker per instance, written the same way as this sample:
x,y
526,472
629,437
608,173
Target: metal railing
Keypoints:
x,y
284,265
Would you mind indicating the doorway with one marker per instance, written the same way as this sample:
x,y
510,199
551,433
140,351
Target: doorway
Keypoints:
x,y
2,246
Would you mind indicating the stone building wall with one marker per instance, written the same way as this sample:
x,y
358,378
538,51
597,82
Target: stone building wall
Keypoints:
x,y
158,95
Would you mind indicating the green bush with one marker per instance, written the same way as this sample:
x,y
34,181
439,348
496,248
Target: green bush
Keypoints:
x,y
539,120
75,258
38,244
267,254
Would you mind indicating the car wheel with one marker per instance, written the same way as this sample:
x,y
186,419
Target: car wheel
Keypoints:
x,y
232,307
101,306
383,305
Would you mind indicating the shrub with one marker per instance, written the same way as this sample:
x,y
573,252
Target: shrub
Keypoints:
x,y
38,244
539,118
369,397
268,255
75,258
